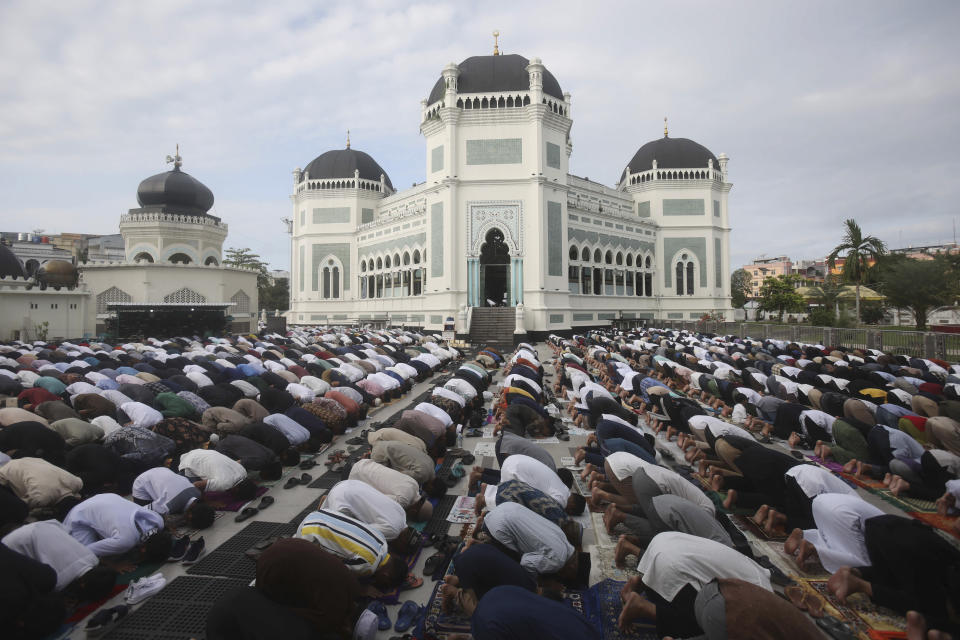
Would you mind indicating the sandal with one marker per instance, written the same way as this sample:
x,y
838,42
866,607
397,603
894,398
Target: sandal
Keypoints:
x,y
308,464
306,478
410,582
435,562
246,514
265,502
105,619
291,482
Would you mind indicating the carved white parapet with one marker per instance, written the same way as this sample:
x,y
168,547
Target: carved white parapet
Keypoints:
x,y
723,159
450,73
519,318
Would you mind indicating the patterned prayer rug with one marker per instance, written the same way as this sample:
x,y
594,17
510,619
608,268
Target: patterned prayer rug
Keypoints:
x,y
866,619
746,524
943,523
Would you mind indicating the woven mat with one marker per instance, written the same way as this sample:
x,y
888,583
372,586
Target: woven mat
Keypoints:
x,y
225,501
866,619
747,525
603,560
908,504
943,523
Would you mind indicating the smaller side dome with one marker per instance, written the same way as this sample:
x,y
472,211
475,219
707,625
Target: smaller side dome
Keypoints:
x,y
344,163
9,265
671,153
177,192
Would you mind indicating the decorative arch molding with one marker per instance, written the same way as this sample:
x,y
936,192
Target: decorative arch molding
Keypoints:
x,y
180,248
685,264
113,294
330,277
506,215
184,295
142,247
212,253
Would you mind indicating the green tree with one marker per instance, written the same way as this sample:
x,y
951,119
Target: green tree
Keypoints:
x,y
276,296
858,252
921,286
739,288
246,259
780,295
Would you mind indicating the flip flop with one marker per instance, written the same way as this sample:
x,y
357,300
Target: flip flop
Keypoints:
x,y
410,582
246,514
308,464
407,614
813,605
796,596
306,478
292,482
265,502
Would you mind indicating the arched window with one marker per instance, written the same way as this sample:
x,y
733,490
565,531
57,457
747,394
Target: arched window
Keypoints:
x,y
363,265
647,262
406,258
326,282
380,263
386,262
143,256
574,254
585,255
679,278
416,256
211,261
689,278
396,259
619,257
336,282
597,256
629,259
180,258
609,257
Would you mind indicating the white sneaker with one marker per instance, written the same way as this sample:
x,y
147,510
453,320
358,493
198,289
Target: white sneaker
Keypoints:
x,y
140,590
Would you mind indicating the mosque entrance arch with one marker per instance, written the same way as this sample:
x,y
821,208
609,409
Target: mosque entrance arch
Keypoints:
x,y
495,270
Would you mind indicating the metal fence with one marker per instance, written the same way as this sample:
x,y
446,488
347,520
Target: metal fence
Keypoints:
x,y
945,346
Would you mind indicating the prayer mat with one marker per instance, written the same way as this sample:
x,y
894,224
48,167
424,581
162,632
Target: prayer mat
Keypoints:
x,y
225,501
86,609
177,524
393,597
908,504
943,523
810,571
866,619
603,561
746,524
601,605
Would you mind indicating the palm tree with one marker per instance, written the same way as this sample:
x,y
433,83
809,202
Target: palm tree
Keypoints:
x,y
858,252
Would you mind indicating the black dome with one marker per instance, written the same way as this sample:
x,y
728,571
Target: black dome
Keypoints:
x,y
672,153
9,265
175,192
495,73
341,163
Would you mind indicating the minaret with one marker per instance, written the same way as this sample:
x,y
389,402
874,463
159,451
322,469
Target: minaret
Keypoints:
x,y
535,70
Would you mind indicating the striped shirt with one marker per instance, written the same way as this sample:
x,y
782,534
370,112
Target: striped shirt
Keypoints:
x,y
361,547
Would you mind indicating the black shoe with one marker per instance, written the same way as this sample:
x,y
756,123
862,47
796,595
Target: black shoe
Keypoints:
x,y
195,551
179,549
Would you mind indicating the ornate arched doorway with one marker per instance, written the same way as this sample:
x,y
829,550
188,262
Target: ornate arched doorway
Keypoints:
x,y
495,270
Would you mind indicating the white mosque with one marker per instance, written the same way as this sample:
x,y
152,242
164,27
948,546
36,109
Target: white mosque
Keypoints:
x,y
500,221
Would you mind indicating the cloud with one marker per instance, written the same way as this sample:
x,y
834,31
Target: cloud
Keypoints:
x,y
827,110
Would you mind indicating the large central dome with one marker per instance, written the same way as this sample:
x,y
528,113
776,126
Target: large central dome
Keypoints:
x,y
342,163
672,153
481,74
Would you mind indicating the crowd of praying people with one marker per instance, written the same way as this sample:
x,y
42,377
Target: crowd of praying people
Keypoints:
x,y
107,451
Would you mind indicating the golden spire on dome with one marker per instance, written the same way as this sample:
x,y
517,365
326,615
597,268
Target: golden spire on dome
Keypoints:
x,y
496,41
348,138
666,134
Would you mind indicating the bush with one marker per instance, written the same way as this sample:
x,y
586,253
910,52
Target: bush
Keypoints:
x,y
822,318
872,313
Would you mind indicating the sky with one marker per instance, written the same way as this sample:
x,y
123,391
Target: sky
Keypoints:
x,y
827,110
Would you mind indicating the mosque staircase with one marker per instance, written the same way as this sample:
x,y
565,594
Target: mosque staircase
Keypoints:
x,y
493,326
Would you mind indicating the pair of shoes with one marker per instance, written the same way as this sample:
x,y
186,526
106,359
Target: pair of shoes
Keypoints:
x,y
408,615
105,619
380,610
142,588
197,547
293,481
179,549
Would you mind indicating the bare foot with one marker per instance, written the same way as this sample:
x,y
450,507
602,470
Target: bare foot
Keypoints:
x,y
898,485
612,517
631,585
587,470
850,466
806,553
792,542
703,467
863,469
670,433
824,452
844,582
580,455
623,549
716,481
794,440
731,499
760,517
635,607
449,594
887,479
775,521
